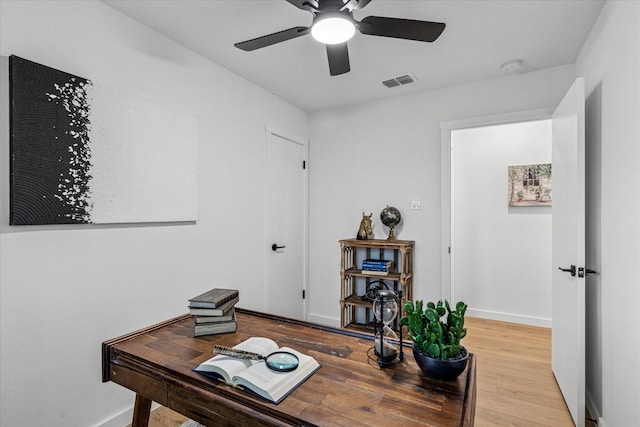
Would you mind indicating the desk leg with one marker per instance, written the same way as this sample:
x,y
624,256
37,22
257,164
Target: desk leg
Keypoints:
x,y
141,411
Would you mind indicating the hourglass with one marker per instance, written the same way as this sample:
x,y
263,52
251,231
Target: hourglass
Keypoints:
x,y
387,346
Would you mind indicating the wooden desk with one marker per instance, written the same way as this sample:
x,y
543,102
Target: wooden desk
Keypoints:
x,y
348,390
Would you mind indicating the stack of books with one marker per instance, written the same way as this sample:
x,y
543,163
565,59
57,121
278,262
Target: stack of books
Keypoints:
x,y
213,312
377,266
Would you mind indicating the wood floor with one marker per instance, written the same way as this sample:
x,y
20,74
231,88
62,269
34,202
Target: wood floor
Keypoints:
x,y
515,384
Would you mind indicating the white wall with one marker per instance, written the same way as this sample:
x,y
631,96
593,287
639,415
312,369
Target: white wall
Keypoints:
x,y
65,289
610,63
501,255
367,156
84,284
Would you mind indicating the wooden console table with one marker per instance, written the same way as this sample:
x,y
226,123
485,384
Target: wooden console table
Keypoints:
x,y
348,390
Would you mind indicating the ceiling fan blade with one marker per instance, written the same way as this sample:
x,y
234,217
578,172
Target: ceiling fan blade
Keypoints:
x,y
338,55
310,5
355,4
409,29
274,38
362,3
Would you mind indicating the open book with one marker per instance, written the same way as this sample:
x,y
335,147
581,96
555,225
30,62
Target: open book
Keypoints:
x,y
254,376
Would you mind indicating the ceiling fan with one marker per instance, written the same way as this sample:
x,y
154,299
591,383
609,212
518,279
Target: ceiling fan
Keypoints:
x,y
333,24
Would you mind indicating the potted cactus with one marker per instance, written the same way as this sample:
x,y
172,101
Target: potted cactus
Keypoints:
x,y
436,330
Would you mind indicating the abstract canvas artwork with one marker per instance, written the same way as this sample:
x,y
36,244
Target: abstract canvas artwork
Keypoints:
x,y
84,153
530,185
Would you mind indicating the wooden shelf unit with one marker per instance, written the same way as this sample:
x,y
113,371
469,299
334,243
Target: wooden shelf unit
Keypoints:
x,y
356,312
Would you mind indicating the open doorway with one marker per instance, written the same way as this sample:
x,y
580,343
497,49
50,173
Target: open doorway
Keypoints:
x,y
499,251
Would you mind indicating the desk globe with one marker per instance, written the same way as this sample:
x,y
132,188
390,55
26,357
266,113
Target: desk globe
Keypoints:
x,y
390,217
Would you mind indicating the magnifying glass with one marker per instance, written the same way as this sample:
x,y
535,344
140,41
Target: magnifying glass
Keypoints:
x,y
279,361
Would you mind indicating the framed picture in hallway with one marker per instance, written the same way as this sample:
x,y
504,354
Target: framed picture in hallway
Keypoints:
x,y
530,185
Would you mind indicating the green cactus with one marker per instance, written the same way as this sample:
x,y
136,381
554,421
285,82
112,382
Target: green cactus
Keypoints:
x,y
430,333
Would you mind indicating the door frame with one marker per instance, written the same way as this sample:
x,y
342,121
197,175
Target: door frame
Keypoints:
x,y
447,283
271,130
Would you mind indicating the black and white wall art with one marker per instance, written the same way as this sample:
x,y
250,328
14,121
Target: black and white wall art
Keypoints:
x,y
84,153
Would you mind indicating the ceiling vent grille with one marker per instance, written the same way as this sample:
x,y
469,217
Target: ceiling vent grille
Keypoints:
x,y
400,81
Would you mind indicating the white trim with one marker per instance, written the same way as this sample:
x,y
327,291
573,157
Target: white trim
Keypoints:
x,y
509,317
123,418
593,412
324,320
272,130
499,119
446,210
446,266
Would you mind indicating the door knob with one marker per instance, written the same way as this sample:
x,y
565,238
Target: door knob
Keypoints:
x,y
582,272
275,247
571,270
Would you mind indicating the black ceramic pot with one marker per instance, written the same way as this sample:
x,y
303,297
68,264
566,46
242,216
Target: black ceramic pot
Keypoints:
x,y
439,369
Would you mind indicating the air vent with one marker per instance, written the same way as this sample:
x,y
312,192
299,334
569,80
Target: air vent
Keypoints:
x,y
391,83
400,81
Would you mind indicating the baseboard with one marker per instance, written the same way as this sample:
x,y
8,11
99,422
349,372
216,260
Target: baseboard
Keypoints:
x,y
324,320
594,412
600,421
483,314
124,418
509,317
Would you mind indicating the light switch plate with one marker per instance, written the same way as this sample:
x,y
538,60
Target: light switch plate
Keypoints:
x,y
416,203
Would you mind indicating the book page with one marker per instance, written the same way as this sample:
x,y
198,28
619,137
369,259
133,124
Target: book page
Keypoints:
x,y
260,345
259,378
274,385
224,366
227,367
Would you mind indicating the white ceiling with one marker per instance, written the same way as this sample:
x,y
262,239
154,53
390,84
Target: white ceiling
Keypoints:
x,y
480,36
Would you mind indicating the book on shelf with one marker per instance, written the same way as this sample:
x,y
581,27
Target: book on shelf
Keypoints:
x,y
376,272
200,329
230,315
365,267
254,376
220,311
213,298
377,264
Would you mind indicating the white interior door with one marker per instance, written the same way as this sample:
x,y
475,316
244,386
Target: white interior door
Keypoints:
x,y
568,250
286,207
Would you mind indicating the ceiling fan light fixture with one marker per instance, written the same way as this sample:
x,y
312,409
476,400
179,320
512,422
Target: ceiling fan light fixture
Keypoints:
x,y
333,30
333,25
